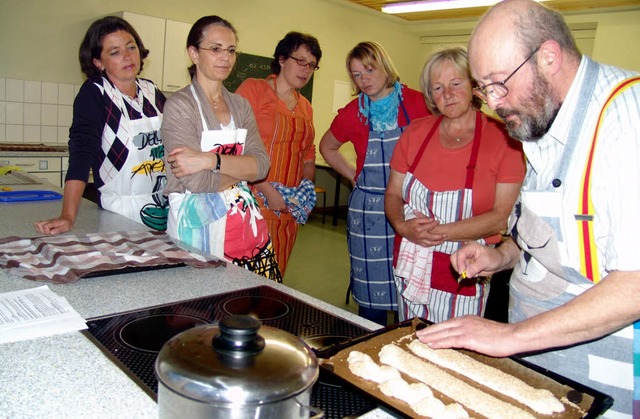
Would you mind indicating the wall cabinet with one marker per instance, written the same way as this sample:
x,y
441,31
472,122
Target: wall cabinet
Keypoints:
x,y
166,40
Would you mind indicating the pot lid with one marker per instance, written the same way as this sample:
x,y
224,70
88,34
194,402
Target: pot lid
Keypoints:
x,y
239,362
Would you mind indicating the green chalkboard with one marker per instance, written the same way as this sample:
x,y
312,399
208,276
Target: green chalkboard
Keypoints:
x,y
257,67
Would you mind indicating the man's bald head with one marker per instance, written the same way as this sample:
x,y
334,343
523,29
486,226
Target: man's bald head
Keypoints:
x,y
523,25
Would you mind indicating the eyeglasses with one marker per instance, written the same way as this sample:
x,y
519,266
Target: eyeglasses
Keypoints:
x,y
216,50
304,63
498,90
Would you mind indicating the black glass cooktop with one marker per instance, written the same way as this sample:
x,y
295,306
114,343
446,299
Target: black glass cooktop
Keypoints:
x,y
133,339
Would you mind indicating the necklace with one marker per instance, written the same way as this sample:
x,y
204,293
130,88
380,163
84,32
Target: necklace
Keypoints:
x,y
446,131
216,102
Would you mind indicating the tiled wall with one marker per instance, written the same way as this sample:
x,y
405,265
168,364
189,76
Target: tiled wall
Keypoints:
x,y
35,111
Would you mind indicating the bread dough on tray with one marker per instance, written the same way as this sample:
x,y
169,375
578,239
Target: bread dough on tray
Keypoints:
x,y
540,400
418,395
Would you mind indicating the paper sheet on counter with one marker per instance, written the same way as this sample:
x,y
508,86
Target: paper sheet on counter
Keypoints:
x,y
36,312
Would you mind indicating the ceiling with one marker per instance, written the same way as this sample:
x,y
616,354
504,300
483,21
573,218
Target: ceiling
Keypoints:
x,y
561,5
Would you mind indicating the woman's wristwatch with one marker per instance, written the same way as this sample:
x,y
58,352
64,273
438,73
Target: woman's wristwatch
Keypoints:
x,y
217,169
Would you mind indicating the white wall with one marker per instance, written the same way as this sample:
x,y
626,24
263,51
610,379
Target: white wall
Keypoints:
x,y
39,39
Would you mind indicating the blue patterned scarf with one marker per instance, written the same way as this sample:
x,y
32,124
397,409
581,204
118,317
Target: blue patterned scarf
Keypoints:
x,y
382,113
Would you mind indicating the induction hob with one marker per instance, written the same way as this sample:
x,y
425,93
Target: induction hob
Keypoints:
x,y
133,339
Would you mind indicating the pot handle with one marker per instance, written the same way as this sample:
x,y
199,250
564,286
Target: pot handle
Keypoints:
x,y
316,412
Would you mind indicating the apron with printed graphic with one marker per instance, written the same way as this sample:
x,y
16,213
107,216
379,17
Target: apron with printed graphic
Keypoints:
x,y
136,190
435,293
540,282
226,224
369,234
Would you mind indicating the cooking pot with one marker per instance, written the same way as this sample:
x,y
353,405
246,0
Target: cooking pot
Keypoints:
x,y
238,369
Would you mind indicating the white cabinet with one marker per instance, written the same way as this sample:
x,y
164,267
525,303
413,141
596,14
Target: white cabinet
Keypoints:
x,y
176,59
166,40
47,168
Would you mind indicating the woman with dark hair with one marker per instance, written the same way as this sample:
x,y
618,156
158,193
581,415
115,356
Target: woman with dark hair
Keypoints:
x,y
285,122
214,149
115,131
454,178
372,122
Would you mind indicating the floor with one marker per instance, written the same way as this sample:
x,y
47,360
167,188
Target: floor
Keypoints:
x,y
319,266
319,263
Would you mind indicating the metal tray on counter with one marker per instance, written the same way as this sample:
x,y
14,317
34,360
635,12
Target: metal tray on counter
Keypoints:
x,y
579,400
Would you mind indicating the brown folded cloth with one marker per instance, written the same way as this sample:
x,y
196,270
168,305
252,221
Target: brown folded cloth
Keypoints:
x,y
66,258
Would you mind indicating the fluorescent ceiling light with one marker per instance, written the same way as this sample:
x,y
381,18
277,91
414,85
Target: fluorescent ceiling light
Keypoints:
x,y
429,5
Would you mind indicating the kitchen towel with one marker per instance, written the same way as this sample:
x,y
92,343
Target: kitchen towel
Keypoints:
x,y
67,258
300,199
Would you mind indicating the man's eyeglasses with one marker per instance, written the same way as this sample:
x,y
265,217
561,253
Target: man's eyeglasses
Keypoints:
x,y
304,63
232,51
498,90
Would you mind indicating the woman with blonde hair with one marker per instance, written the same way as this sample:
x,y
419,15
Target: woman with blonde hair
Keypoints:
x,y
454,178
372,122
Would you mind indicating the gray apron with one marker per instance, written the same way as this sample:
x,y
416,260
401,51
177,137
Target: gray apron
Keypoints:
x,y
540,282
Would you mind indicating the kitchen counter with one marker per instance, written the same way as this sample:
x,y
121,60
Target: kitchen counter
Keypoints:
x,y
67,375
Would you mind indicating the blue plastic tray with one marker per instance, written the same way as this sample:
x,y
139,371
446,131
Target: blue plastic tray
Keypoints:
x,y
31,195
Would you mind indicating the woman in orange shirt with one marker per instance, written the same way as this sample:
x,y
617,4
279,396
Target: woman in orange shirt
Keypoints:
x,y
285,122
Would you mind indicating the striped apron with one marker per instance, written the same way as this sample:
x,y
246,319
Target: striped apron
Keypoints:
x,y
429,288
369,234
540,282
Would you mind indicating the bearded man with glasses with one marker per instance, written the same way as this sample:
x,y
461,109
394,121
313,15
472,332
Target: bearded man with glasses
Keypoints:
x,y
575,288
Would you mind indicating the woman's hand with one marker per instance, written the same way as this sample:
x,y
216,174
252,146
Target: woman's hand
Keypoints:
x,y
275,200
419,230
53,226
186,161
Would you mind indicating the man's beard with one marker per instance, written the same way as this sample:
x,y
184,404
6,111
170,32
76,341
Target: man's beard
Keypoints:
x,y
540,110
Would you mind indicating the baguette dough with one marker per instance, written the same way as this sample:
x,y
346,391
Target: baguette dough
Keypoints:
x,y
417,395
540,400
469,396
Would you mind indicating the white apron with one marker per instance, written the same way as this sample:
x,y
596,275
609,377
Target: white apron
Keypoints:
x,y
183,223
136,190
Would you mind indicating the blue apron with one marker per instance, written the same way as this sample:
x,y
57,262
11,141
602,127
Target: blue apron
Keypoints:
x,y
369,234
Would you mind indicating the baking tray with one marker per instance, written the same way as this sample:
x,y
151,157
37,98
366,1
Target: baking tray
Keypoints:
x,y
589,403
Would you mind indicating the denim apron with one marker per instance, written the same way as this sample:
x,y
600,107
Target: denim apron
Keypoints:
x,y
369,234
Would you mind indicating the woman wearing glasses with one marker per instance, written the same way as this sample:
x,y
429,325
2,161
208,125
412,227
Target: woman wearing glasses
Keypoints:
x,y
454,178
285,122
213,150
372,122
